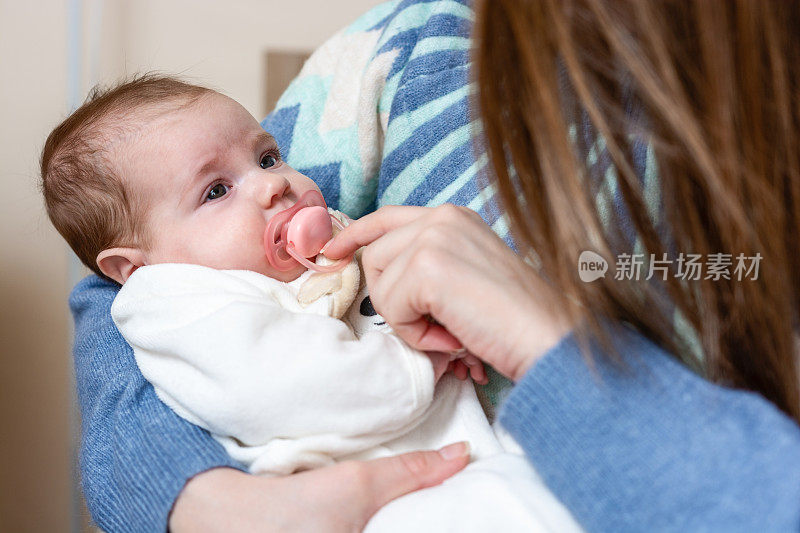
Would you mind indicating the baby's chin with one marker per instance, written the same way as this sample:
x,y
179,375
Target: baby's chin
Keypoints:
x,y
262,267
289,275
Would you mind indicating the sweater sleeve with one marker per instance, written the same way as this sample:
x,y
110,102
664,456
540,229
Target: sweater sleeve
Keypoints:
x,y
650,445
235,353
136,454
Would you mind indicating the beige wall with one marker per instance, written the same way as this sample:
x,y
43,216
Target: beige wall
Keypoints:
x,y
214,42
35,484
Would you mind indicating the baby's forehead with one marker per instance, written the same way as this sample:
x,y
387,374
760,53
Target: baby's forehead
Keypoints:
x,y
128,127
193,129
128,138
172,139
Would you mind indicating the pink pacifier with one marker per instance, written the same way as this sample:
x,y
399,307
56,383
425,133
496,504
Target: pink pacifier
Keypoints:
x,y
298,233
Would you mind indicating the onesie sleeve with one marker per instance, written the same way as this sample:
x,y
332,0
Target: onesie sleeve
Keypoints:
x,y
233,352
652,446
136,454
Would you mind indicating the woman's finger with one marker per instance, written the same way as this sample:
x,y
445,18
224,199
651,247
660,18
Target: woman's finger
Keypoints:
x,y
420,233
370,227
343,496
391,477
404,267
401,293
391,247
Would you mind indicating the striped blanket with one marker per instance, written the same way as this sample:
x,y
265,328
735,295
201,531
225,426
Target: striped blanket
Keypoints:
x,y
379,115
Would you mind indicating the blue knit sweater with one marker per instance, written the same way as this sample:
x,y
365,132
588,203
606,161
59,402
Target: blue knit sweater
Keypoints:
x,y
650,447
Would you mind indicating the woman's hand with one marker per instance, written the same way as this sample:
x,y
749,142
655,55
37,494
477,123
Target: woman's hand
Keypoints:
x,y
445,262
338,498
460,364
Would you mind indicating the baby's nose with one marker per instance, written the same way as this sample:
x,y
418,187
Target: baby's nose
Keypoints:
x,y
270,188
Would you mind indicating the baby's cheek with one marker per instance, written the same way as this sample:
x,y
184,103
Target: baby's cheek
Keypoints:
x,y
244,247
256,260
231,255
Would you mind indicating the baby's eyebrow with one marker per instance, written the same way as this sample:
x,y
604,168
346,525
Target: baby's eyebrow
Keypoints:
x,y
194,177
207,167
264,137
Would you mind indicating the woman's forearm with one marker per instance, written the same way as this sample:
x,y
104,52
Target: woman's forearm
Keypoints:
x,y
654,446
336,499
207,501
136,454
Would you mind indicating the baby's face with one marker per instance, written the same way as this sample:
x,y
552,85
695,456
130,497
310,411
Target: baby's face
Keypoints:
x,y
210,178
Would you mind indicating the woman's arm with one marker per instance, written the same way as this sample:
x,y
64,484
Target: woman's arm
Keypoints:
x,y
136,454
335,499
647,446
654,446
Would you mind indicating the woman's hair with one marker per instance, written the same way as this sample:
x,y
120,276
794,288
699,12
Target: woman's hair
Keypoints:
x,y
576,94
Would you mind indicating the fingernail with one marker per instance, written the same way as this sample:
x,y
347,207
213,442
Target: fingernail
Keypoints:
x,y
455,451
455,354
322,251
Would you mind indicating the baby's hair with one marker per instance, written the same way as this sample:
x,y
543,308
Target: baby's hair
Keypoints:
x,y
86,200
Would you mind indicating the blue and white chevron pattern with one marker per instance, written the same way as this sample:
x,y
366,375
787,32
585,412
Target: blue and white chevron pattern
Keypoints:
x,y
423,133
379,115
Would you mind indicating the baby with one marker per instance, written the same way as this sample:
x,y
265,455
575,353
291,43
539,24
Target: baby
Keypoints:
x,y
167,188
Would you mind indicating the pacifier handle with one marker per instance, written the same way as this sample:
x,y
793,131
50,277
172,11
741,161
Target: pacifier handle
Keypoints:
x,y
300,232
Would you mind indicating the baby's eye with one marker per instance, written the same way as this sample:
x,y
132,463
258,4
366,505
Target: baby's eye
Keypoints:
x,y
267,160
217,191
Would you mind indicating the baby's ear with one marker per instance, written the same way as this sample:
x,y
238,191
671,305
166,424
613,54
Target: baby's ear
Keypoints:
x,y
119,263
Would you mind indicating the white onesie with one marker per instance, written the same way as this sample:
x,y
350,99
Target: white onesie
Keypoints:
x,y
286,387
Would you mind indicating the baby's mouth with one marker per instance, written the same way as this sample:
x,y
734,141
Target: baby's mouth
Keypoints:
x,y
275,240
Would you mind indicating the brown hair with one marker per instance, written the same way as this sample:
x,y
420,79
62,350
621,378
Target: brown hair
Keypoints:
x,y
86,200
717,86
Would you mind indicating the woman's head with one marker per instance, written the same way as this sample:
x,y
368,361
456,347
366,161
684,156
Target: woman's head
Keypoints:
x,y
580,96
